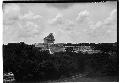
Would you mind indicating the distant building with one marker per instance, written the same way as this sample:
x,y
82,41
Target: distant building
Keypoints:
x,y
49,39
49,45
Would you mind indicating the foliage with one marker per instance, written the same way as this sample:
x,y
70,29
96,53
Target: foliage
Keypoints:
x,y
28,63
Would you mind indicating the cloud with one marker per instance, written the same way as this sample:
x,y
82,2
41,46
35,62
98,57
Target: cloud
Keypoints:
x,y
11,9
60,5
61,22
82,16
30,15
11,13
76,30
106,29
18,25
30,29
18,32
72,30
83,21
58,20
80,23
112,18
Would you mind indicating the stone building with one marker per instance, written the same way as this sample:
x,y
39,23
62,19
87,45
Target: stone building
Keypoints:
x,y
49,45
49,39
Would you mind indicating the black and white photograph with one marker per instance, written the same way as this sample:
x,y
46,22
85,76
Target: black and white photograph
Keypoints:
x,y
45,42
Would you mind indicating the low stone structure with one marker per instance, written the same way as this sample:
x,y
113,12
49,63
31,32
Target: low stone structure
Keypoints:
x,y
49,45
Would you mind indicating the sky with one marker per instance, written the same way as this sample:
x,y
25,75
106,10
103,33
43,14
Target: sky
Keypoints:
x,y
69,22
